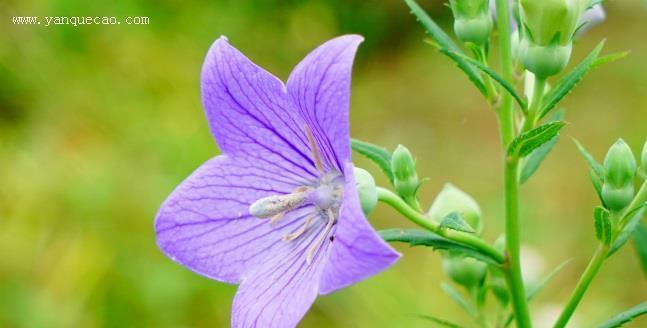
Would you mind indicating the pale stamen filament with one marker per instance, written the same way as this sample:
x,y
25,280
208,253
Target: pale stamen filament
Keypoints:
x,y
315,151
322,237
298,233
276,218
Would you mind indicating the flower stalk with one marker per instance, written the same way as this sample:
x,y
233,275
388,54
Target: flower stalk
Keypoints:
x,y
386,196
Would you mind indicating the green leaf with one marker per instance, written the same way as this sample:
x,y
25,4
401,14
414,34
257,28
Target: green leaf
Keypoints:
x,y
417,237
496,77
620,319
634,216
377,154
532,162
568,82
445,42
456,296
439,321
610,58
596,170
640,243
455,221
528,141
603,229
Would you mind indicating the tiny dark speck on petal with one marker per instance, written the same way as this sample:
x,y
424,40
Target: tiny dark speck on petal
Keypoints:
x,y
332,238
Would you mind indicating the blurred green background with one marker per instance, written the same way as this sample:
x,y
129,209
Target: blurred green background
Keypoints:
x,y
99,123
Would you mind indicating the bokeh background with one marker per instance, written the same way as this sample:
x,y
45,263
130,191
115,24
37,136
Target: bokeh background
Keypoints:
x,y
99,123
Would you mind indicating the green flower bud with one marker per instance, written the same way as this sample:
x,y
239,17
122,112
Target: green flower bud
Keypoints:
x,y
549,22
452,199
543,61
472,20
464,271
404,171
547,32
366,189
620,170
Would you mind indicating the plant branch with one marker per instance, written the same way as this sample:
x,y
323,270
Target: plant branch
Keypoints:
x,y
390,198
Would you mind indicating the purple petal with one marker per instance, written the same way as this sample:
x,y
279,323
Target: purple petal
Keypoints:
x,y
250,114
205,223
320,88
357,252
279,292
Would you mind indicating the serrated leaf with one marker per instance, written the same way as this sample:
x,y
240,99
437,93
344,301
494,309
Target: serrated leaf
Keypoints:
x,y
566,84
620,319
455,221
417,237
610,58
631,224
496,77
456,296
640,243
377,154
534,160
445,42
528,141
439,321
603,230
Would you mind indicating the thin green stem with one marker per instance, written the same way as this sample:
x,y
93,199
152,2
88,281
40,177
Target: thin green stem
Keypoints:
x,y
589,273
511,186
505,111
513,269
640,198
390,198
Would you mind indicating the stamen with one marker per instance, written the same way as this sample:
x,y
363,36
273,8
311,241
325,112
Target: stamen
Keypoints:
x,y
313,147
322,237
301,230
273,206
276,218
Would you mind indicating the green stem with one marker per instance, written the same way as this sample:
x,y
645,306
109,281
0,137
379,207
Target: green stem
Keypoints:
x,y
511,186
389,197
513,270
640,198
506,119
582,285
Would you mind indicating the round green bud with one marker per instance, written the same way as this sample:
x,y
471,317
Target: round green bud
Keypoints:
x,y
366,189
616,198
619,165
464,271
472,20
452,199
549,22
404,171
543,61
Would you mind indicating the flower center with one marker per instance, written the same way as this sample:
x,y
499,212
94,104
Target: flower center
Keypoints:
x,y
325,195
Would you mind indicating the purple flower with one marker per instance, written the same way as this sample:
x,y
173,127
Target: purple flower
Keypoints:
x,y
278,212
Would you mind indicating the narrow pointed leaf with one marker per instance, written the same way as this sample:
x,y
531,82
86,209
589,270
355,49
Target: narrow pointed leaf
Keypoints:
x,y
456,297
610,58
565,85
620,319
455,221
496,77
377,154
417,237
445,42
528,141
439,321
596,171
532,162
